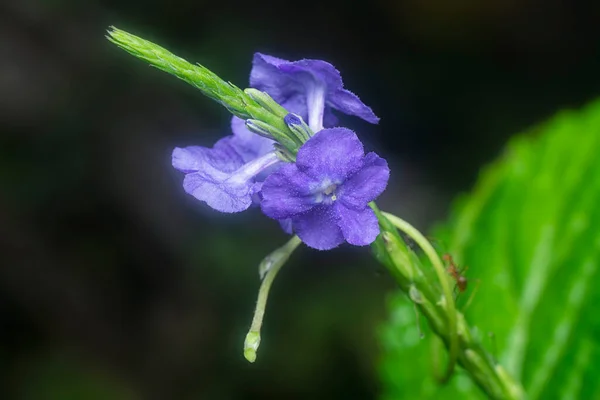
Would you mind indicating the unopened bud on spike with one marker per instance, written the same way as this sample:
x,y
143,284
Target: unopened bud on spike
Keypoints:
x,y
283,153
298,126
270,132
261,128
266,101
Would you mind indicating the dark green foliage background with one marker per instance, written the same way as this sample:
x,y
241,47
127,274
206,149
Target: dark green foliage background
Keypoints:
x,y
530,233
116,285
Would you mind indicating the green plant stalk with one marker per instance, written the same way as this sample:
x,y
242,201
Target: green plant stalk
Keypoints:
x,y
268,270
248,104
391,250
448,299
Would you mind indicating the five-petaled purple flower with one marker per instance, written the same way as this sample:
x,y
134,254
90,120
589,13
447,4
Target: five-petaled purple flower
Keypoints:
x,y
327,190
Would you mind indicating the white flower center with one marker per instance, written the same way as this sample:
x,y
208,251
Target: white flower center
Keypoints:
x,y
330,191
325,193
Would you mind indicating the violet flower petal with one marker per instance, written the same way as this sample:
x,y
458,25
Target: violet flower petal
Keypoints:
x,y
286,225
366,184
359,227
326,192
286,193
222,156
318,228
221,197
189,159
332,153
316,81
349,103
227,191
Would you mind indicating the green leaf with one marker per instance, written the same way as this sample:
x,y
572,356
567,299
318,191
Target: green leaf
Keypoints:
x,y
530,235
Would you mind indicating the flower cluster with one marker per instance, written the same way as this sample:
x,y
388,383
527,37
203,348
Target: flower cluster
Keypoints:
x,y
322,195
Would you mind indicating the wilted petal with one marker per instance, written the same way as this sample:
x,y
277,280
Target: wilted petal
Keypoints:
x,y
318,228
286,193
359,228
365,184
332,153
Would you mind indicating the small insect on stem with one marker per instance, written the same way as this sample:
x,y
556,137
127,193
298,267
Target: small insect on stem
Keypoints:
x,y
461,280
457,275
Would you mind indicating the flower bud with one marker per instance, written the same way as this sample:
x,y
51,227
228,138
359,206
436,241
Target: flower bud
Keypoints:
x,y
298,126
266,101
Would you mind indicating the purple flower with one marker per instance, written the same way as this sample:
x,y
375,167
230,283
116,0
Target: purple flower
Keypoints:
x,y
327,191
309,88
225,177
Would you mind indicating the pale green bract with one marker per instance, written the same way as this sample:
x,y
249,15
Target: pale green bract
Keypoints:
x,y
530,233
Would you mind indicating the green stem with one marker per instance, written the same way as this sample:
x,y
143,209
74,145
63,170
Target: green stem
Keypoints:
x,y
268,268
393,252
247,104
448,299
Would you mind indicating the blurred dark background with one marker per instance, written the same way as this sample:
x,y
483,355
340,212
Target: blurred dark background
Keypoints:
x,y
114,284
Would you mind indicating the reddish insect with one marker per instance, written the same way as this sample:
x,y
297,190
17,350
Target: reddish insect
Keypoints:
x,y
457,274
